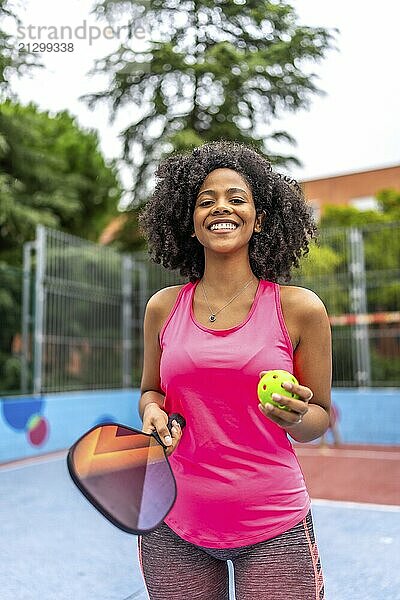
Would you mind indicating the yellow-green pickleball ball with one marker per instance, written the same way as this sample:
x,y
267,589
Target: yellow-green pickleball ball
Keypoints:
x,y
271,383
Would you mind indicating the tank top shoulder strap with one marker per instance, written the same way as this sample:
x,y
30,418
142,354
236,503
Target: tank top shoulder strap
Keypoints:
x,y
182,299
270,303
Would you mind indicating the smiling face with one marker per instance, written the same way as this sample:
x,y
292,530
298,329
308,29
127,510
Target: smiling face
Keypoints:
x,y
224,216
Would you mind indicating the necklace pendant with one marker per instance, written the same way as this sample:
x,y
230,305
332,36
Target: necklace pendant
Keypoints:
x,y
212,318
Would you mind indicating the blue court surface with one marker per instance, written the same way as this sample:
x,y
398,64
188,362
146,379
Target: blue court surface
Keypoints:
x,y
55,546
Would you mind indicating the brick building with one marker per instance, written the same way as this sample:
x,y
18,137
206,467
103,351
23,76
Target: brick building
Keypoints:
x,y
354,189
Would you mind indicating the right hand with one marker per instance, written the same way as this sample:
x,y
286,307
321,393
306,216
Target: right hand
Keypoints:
x,y
155,419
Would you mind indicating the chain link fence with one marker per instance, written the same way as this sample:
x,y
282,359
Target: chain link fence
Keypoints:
x,y
11,282
72,319
356,273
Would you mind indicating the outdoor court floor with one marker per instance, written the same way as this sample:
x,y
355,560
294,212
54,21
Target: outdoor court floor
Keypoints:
x,y
55,546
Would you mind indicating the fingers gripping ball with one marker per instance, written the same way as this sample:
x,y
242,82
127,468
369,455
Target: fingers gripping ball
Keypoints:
x,y
271,383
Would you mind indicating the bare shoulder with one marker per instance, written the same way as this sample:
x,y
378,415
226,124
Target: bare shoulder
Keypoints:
x,y
162,302
302,303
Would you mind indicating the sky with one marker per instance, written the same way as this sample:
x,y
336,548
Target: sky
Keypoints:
x,y
354,126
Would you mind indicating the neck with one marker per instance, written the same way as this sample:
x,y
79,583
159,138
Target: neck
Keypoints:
x,y
225,274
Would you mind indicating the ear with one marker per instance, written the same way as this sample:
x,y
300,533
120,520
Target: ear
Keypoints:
x,y
259,221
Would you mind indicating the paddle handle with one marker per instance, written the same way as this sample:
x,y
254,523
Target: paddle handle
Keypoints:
x,y
176,417
172,417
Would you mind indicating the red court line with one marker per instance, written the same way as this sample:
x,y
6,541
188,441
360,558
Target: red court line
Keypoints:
x,y
352,473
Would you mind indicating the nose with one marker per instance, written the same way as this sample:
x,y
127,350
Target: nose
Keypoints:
x,y
221,208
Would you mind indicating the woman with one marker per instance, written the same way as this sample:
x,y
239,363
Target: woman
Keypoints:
x,y
234,228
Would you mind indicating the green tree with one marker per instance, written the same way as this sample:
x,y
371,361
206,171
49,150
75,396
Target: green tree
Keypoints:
x,y
10,321
349,216
53,173
381,245
212,70
327,271
387,211
12,59
317,271
381,241
389,202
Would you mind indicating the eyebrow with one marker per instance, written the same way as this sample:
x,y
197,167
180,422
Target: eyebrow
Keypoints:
x,y
232,189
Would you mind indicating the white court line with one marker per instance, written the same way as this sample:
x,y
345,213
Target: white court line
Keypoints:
x,y
33,460
336,453
357,505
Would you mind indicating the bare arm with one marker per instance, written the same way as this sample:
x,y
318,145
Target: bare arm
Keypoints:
x,y
150,386
152,397
313,370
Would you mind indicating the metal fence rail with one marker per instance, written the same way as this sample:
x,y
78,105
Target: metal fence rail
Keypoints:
x,y
72,320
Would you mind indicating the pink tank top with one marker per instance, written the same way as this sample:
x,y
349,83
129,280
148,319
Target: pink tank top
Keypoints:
x,y
238,478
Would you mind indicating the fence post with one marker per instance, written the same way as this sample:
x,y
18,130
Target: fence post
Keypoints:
x,y
26,313
127,364
141,297
358,300
40,245
143,292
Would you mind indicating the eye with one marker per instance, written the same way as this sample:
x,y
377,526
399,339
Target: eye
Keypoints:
x,y
205,203
237,200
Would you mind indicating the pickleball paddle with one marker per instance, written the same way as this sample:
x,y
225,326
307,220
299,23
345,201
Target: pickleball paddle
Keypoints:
x,y
125,474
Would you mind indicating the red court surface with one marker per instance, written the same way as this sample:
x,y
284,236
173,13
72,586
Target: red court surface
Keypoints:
x,y
352,473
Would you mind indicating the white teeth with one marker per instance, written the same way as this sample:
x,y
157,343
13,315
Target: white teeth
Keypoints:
x,y
223,226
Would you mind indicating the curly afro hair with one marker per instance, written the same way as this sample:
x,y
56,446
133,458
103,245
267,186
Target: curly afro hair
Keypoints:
x,y
167,218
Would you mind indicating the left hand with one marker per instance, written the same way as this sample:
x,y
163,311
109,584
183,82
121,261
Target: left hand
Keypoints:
x,y
298,408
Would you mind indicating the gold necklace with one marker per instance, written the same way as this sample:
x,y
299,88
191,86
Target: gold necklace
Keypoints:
x,y
213,314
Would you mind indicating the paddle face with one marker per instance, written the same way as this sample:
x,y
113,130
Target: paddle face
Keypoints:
x,y
125,474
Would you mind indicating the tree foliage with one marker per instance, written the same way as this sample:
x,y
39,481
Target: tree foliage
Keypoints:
x,y
12,59
329,264
10,321
328,270
53,173
212,70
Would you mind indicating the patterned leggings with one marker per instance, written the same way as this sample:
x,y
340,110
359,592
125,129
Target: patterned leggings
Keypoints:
x,y
286,567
